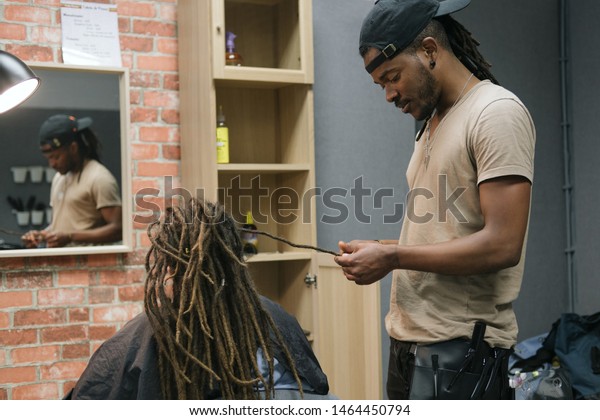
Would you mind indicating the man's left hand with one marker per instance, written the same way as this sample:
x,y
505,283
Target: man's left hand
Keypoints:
x,y
57,239
365,262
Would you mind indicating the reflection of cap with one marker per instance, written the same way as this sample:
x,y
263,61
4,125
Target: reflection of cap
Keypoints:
x,y
59,130
392,25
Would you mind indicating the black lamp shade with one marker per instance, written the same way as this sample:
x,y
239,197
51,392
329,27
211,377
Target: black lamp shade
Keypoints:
x,y
17,81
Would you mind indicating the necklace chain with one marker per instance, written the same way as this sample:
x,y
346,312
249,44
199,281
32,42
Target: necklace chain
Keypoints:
x,y
428,146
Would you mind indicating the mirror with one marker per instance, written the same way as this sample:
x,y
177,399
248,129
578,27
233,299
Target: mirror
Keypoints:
x,y
98,92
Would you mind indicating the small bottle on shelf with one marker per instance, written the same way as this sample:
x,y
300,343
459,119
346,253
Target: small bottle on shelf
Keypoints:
x,y
232,57
222,138
249,239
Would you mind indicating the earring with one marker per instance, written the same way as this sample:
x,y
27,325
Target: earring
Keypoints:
x,y
431,64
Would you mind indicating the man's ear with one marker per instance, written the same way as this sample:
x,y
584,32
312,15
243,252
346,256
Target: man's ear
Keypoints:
x,y
430,49
74,148
430,46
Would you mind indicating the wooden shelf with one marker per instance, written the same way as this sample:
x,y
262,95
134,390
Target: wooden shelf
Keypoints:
x,y
268,104
279,256
273,168
256,76
260,2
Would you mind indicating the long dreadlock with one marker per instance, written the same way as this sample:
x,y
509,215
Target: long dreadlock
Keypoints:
x,y
465,48
89,144
210,329
453,35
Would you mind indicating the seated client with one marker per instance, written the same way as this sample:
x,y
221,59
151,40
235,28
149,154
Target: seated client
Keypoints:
x,y
205,332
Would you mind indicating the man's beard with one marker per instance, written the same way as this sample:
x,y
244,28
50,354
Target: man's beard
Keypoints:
x,y
426,93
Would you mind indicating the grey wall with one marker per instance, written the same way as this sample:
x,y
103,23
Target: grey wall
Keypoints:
x,y
358,134
521,41
584,66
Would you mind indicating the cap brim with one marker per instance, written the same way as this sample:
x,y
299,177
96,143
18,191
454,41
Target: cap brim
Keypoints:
x,y
451,6
84,122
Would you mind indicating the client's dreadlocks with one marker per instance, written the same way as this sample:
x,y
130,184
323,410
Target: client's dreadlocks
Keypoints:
x,y
209,331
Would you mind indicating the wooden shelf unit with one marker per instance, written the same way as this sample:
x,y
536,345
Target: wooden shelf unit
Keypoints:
x,y
268,105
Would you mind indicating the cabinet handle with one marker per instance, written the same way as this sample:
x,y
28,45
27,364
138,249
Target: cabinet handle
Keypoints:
x,y
310,280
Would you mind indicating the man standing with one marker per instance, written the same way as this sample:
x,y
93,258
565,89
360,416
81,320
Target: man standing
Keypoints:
x,y
85,199
460,256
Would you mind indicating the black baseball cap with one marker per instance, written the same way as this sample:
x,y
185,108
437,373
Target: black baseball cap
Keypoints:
x,y
392,25
61,129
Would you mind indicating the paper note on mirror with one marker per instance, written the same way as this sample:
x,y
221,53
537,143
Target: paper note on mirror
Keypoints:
x,y
90,34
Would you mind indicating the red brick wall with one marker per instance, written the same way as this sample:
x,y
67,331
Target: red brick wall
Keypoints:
x,y
54,312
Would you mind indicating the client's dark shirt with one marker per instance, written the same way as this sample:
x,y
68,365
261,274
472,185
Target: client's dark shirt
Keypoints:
x,y
126,365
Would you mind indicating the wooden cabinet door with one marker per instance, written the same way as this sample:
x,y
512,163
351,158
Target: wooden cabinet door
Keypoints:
x,y
348,343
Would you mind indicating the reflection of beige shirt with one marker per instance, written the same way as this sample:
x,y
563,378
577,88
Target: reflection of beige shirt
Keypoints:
x,y
76,201
488,134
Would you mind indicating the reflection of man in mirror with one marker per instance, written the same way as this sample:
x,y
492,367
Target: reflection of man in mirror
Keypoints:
x,y
84,196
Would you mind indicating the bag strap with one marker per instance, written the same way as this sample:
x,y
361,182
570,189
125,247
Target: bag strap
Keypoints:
x,y
473,356
595,356
545,354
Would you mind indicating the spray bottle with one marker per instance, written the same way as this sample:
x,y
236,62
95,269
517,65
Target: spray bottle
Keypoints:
x,y
222,138
232,57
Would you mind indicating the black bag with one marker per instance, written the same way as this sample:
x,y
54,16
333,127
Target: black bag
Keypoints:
x,y
575,340
460,370
547,382
578,349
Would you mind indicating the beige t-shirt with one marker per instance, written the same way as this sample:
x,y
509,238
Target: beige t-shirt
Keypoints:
x,y
76,200
487,134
